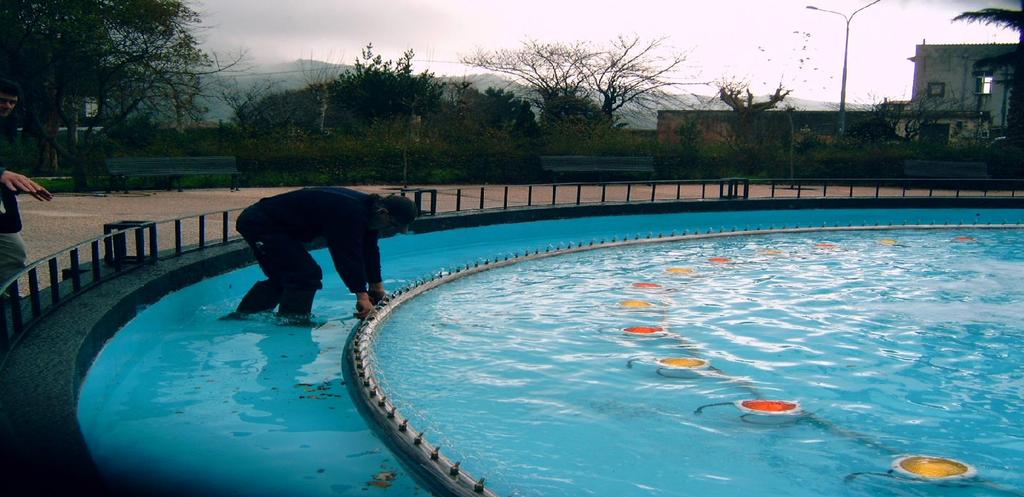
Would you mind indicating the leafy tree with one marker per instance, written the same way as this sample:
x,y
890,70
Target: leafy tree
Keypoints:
x,y
378,90
1012,19
119,58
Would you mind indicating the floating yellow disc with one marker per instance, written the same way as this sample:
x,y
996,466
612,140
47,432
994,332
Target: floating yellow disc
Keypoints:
x,y
771,252
644,330
680,270
646,285
635,304
888,241
683,362
719,260
964,239
933,468
825,245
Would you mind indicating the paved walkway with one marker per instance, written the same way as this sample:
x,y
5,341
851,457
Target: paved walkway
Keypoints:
x,y
71,218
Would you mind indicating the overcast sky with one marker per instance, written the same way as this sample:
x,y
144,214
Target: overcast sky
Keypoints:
x,y
763,41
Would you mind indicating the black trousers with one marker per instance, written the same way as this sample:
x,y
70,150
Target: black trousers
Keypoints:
x,y
284,260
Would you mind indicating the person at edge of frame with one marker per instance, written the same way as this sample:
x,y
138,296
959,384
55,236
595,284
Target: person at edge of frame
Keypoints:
x,y
13,255
351,222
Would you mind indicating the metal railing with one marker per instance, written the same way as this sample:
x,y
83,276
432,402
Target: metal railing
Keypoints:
x,y
434,201
48,282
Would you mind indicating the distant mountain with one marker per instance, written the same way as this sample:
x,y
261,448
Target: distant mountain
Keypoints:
x,y
297,74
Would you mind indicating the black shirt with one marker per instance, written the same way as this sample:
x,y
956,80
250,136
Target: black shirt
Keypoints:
x,y
339,215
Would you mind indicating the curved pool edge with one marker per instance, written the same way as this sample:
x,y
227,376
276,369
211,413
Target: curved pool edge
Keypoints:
x,y
428,461
41,444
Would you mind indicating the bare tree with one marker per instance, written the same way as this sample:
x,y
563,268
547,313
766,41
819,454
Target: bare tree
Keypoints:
x,y
319,76
631,71
737,95
552,71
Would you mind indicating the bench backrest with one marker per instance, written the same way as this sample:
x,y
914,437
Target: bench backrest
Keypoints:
x,y
583,163
944,169
171,166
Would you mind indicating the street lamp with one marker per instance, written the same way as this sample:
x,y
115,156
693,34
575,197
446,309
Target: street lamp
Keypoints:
x,y
846,47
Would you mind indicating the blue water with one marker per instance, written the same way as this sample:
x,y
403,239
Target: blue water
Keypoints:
x,y
897,342
179,398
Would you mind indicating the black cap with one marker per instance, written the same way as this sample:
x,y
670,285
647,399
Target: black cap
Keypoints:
x,y
401,209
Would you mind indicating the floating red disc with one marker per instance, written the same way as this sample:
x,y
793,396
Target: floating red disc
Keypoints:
x,y
644,330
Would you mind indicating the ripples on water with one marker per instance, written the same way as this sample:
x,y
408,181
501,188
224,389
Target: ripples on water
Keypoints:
x,y
897,342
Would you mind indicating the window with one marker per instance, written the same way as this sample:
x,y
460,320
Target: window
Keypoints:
x,y
983,83
936,90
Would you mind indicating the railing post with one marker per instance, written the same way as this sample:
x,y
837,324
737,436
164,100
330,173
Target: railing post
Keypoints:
x,y
154,250
504,200
554,193
54,281
76,278
5,341
529,195
224,226
14,296
177,237
95,247
878,188
140,244
482,198
579,193
433,202
679,191
799,188
851,190
458,199
202,231
654,188
824,189
629,190
772,194
703,190
33,292
604,190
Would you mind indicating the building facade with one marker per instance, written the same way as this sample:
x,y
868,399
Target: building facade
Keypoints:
x,y
954,97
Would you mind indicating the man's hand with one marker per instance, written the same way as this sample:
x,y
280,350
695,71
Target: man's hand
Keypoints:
x,y
377,292
363,305
19,182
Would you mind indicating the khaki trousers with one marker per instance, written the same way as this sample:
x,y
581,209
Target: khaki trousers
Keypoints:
x,y
12,255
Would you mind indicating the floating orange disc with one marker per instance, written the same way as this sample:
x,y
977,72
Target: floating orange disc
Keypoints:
x,y
680,270
825,245
683,362
771,252
635,303
644,330
769,407
719,260
646,285
964,239
933,468
888,241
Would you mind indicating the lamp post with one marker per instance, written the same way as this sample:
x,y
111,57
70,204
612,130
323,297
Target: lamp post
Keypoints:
x,y
846,47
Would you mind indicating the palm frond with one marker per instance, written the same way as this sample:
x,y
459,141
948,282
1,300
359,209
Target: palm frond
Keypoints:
x,y
1013,19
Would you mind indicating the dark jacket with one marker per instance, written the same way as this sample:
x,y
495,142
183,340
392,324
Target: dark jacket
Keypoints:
x,y
10,218
339,215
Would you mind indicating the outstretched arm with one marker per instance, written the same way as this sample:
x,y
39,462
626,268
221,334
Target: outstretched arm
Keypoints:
x,y
19,182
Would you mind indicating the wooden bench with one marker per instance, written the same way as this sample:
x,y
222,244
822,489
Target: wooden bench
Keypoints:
x,y
173,168
559,164
944,169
